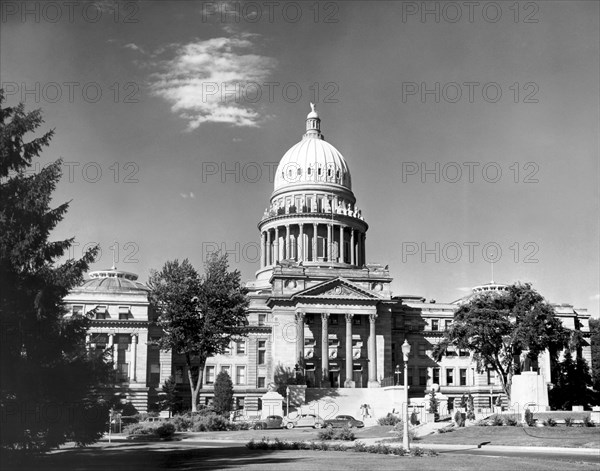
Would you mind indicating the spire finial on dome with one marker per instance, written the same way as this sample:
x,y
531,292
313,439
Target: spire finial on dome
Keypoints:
x,y
313,124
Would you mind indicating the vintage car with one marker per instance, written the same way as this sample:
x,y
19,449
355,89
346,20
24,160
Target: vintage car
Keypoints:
x,y
303,420
344,420
272,421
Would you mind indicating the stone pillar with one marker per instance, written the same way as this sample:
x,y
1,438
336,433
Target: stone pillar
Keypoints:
x,y
299,337
287,242
324,350
314,242
276,246
341,244
111,348
373,383
300,249
364,248
134,339
263,249
352,248
349,383
329,242
269,248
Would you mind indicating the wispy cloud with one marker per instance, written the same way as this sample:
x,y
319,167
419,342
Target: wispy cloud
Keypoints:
x,y
187,195
595,297
206,80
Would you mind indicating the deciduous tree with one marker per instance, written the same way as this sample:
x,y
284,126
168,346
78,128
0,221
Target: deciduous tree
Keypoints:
x,y
200,316
497,327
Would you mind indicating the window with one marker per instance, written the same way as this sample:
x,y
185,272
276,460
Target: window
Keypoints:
x,y
226,369
449,377
333,319
310,319
210,375
179,374
227,350
240,375
261,382
435,324
447,323
123,313
101,312
262,319
356,320
422,350
422,376
463,353
463,376
262,352
240,347
77,310
436,375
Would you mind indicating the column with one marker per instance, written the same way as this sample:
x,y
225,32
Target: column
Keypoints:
x,y
373,383
342,244
88,339
134,339
352,248
300,257
329,242
269,248
299,337
287,242
263,249
111,348
349,383
314,242
324,350
364,249
276,246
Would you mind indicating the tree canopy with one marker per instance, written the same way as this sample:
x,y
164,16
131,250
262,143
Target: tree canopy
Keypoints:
x,y
498,327
48,382
200,316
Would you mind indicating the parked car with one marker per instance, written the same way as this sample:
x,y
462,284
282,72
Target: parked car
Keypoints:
x,y
344,420
303,420
272,421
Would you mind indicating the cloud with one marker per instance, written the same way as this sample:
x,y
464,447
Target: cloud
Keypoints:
x,y
595,297
134,47
210,80
187,195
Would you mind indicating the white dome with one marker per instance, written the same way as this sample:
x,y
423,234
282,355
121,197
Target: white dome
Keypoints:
x,y
312,160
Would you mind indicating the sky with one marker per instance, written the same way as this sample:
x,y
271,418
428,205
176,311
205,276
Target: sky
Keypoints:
x,y
471,131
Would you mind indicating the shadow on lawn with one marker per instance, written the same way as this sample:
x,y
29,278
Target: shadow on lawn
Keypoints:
x,y
142,457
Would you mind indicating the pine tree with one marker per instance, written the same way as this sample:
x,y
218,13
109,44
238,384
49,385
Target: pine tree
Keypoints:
x,y
168,399
223,393
48,381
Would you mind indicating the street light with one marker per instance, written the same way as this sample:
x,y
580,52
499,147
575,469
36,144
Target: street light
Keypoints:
x,y
287,397
397,374
405,352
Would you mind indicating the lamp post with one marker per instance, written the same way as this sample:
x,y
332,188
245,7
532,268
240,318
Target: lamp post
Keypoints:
x,y
405,352
287,397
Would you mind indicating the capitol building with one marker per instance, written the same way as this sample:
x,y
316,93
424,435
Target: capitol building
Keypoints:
x,y
318,307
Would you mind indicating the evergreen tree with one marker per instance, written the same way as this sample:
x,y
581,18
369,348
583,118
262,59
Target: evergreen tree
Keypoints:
x,y
223,393
48,382
168,399
595,343
199,316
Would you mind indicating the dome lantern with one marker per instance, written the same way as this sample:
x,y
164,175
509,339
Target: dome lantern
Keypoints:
x,y
313,125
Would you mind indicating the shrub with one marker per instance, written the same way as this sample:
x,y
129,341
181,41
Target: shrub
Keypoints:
x,y
587,422
529,418
389,419
326,434
414,418
166,430
510,421
459,418
139,429
497,421
550,422
569,421
446,429
399,432
182,422
345,434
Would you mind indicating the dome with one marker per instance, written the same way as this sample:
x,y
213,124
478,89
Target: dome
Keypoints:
x,y
312,160
112,280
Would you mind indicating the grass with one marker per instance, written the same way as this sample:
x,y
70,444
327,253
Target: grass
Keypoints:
x,y
560,436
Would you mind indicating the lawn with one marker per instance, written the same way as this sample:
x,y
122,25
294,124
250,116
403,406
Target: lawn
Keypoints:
x,y
150,457
560,436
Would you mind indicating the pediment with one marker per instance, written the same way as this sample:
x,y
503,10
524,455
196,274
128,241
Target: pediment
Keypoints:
x,y
338,288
